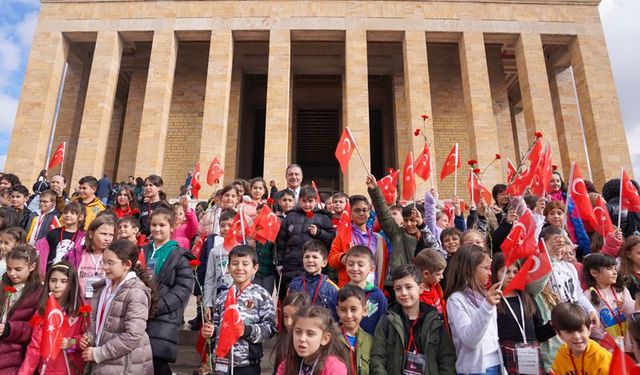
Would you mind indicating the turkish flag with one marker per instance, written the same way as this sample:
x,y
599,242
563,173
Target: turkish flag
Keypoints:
x,y
54,327
408,178
603,220
629,197
215,171
344,228
198,243
450,211
266,225
388,184
542,176
422,164
58,156
195,182
511,171
345,149
622,364
582,200
231,327
521,241
477,190
238,232
537,266
523,179
451,163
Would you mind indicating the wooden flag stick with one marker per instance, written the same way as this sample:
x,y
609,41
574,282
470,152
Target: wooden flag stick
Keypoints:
x,y
455,173
355,144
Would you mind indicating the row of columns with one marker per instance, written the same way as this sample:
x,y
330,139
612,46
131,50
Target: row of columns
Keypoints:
x,y
594,84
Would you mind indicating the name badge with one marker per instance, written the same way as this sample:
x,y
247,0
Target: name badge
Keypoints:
x,y
88,287
528,359
151,268
221,367
415,363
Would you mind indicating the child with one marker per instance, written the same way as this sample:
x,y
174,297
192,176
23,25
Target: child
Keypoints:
x,y
217,277
61,280
450,238
630,264
359,264
286,202
210,221
19,196
338,204
18,306
431,265
117,341
315,348
126,204
578,354
8,217
47,220
321,289
301,225
608,295
60,241
360,235
10,238
186,225
168,266
411,338
87,196
292,303
471,310
352,306
88,260
153,198
256,197
255,306
129,229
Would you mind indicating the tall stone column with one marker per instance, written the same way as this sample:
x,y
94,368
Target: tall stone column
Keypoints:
x,y
601,118
277,139
216,105
536,95
500,100
98,108
34,117
356,109
131,129
477,97
417,94
157,103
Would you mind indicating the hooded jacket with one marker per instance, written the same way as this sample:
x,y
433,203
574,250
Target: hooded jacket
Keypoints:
x,y
364,342
321,290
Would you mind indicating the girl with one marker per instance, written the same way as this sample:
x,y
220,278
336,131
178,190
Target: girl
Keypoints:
x,y
9,238
630,264
8,217
153,197
471,310
315,348
609,296
519,320
256,197
558,188
62,281
186,225
88,260
210,221
126,204
554,213
21,290
117,342
59,241
168,264
473,237
292,303
241,187
450,239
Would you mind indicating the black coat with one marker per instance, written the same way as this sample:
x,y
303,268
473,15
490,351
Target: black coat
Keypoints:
x,y
294,233
174,285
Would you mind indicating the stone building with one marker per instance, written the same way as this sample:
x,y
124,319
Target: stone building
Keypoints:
x,y
142,87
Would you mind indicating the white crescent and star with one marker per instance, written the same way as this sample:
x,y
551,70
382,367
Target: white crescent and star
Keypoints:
x,y
574,191
536,264
347,143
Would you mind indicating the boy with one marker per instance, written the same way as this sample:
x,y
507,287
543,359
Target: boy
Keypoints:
x,y
256,309
578,354
359,264
319,287
431,265
396,212
128,228
411,338
216,278
87,196
338,204
286,202
352,306
301,224
47,220
19,196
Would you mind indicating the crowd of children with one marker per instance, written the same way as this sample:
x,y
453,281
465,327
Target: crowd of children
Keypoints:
x,y
420,288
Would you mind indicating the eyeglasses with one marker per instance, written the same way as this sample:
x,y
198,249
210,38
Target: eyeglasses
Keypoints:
x,y
359,211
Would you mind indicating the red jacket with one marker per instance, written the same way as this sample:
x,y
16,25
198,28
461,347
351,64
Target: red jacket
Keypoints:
x,y
12,347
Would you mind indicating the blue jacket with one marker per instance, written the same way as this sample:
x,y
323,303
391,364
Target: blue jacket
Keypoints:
x,y
376,308
325,295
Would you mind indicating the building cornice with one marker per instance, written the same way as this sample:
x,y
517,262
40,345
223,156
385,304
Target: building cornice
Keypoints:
x,y
531,2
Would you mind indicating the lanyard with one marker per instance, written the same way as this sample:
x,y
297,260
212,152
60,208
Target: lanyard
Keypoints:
x,y
241,290
353,350
575,369
369,235
96,265
411,341
616,315
73,238
315,295
520,326
300,372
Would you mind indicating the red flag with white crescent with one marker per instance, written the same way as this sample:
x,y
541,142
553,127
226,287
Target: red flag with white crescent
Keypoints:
x,y
54,327
58,156
422,164
266,225
477,190
451,163
542,176
388,184
511,171
408,178
537,266
630,199
601,213
345,148
521,241
215,172
231,327
523,179
195,182
580,197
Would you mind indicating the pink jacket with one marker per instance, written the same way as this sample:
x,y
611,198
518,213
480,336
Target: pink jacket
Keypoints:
x,y
32,360
332,366
42,247
611,245
185,232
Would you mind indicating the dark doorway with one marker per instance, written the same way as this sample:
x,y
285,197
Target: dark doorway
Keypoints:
x,y
252,126
381,125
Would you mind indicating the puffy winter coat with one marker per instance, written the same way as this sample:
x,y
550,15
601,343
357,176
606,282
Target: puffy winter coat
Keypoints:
x,y
325,294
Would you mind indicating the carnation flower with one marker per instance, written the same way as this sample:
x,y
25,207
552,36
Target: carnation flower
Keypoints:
x,y
416,132
472,162
309,214
424,117
498,156
538,134
9,289
194,263
84,309
476,170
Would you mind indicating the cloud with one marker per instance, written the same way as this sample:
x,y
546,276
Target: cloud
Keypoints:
x,y
26,28
9,55
8,107
3,160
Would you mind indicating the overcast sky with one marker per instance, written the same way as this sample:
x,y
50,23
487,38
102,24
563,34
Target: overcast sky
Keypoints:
x,y
619,19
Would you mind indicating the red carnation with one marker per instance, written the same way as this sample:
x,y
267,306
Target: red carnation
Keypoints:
x,y
9,289
416,132
35,321
270,201
309,214
472,162
424,117
538,134
390,170
194,263
498,156
554,167
84,309
476,170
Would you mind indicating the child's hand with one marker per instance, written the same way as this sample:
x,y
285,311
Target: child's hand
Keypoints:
x,y
184,201
85,342
512,216
371,182
87,355
434,194
207,330
494,294
482,208
207,314
595,321
540,206
618,235
313,230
